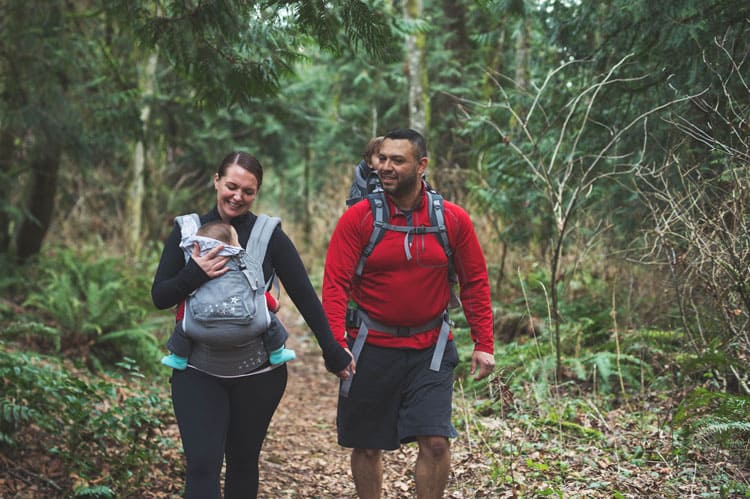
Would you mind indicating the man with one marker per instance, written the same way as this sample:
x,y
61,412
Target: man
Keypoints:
x,y
402,389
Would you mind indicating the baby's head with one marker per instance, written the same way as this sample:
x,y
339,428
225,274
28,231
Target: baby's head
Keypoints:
x,y
221,231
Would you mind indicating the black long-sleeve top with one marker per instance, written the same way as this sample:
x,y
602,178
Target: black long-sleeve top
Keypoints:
x,y
175,280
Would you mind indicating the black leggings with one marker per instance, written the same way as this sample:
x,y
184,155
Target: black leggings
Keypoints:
x,y
224,415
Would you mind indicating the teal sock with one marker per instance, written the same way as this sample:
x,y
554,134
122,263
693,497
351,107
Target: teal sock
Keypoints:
x,y
281,355
175,361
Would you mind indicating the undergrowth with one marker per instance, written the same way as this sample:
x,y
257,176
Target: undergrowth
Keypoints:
x,y
602,392
95,305
105,430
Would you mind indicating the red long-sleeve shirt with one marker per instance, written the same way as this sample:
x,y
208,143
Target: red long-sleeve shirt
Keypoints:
x,y
400,292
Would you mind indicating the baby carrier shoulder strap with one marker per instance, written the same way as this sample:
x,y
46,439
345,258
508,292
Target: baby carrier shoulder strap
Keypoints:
x,y
188,227
257,243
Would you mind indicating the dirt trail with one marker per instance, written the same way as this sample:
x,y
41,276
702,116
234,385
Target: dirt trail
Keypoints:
x,y
301,458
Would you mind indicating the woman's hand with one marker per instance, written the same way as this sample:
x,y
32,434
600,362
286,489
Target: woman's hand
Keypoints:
x,y
211,263
350,369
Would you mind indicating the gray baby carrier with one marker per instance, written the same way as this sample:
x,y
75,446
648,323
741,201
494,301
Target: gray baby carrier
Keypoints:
x,y
231,310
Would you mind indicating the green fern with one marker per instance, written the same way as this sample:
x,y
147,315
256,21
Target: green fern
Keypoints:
x,y
721,418
90,300
724,429
12,416
94,492
28,328
605,367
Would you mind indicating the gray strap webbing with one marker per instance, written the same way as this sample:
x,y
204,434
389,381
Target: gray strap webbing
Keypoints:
x,y
368,323
380,212
257,243
188,227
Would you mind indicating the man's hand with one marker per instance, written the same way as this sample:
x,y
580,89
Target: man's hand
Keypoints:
x,y
484,361
350,369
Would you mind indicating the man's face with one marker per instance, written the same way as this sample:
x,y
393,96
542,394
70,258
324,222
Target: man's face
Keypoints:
x,y
399,169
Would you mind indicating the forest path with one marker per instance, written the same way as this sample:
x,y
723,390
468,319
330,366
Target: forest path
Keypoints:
x,y
301,458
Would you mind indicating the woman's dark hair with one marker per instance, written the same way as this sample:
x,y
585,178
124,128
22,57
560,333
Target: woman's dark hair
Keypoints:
x,y
243,160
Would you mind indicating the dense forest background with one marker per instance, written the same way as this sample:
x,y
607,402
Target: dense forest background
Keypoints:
x,y
601,148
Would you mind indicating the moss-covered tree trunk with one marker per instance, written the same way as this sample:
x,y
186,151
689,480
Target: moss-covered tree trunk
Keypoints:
x,y
40,202
136,191
419,103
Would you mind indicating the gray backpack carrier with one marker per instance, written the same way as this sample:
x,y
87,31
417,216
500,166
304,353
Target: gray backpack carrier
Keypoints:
x,y
231,310
365,181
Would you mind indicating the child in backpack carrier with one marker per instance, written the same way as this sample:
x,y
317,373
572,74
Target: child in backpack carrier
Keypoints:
x,y
209,236
365,174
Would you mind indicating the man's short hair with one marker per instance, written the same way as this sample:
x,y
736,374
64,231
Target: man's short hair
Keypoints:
x,y
413,136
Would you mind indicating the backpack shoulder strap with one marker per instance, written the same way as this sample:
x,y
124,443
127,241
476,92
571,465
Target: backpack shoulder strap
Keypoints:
x,y
380,216
437,219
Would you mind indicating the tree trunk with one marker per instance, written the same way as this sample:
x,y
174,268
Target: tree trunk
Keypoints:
x,y
6,186
417,72
307,221
523,49
134,204
40,204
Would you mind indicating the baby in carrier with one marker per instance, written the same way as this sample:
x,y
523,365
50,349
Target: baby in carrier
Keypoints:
x,y
209,236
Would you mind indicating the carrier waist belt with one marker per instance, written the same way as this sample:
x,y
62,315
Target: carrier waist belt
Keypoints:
x,y
367,323
229,360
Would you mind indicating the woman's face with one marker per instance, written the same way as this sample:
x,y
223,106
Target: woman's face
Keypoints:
x,y
235,192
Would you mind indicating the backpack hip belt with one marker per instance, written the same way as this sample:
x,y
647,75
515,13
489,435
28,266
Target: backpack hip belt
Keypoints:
x,y
367,323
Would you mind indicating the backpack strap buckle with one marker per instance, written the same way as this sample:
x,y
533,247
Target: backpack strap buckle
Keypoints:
x,y
402,332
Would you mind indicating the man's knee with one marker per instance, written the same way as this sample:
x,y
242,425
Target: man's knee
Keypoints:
x,y
434,447
369,454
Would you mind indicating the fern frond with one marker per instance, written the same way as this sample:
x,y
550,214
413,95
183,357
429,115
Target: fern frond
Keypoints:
x,y
723,429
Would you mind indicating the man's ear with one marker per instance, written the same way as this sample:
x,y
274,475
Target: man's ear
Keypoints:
x,y
422,166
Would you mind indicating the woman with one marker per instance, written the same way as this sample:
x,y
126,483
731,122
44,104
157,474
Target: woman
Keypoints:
x,y
229,415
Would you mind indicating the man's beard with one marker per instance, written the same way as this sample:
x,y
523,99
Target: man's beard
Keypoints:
x,y
404,186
